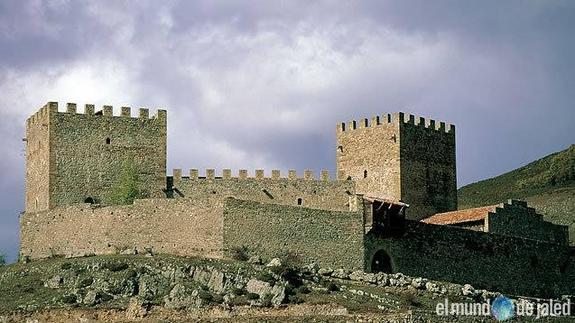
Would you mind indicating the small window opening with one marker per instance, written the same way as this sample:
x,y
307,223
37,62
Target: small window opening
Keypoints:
x,y
299,201
89,200
340,149
343,126
108,141
365,174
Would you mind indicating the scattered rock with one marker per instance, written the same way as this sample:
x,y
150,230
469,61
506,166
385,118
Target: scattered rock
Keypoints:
x,y
54,282
259,287
179,298
216,282
275,262
278,294
356,275
340,273
418,283
256,260
312,268
129,251
136,309
432,287
468,290
325,271
91,298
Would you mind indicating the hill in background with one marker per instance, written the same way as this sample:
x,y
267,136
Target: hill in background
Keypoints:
x,y
547,184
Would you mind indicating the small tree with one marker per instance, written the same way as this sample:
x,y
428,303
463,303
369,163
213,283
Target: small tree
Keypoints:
x,y
2,259
125,189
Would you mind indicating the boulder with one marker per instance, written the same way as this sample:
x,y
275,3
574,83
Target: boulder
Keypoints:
x,y
356,275
468,290
325,271
216,282
91,298
432,287
340,273
54,282
180,298
278,294
259,287
136,309
275,262
418,283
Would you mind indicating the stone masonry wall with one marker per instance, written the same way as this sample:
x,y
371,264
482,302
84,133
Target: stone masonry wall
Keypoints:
x,y
37,161
185,227
495,262
368,152
86,154
402,158
329,238
516,219
312,193
428,177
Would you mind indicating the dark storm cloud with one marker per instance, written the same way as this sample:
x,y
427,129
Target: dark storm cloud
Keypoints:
x,y
261,84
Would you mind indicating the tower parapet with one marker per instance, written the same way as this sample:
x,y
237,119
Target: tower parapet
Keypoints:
x,y
83,154
400,156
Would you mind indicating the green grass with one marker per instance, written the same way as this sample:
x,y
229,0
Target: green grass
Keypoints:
x,y
547,184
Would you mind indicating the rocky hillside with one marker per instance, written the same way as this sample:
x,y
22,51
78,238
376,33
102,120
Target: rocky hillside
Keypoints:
x,y
156,288
547,184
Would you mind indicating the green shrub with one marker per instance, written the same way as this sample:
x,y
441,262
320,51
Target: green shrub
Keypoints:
x,y
69,299
267,300
253,296
66,266
295,299
331,286
239,291
205,296
85,282
125,189
266,277
2,259
289,274
303,290
115,266
240,253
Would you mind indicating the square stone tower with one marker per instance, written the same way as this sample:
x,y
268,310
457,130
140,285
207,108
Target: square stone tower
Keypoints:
x,y
401,158
76,158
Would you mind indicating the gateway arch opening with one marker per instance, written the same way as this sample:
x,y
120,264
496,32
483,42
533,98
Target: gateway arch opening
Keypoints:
x,y
381,262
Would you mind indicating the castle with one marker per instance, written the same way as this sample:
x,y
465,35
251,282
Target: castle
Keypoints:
x,y
96,183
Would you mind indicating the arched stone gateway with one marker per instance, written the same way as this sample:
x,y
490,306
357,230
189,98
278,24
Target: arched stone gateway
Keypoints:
x,y
381,262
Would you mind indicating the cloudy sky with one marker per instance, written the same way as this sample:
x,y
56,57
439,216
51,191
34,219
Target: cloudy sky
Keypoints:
x,y
261,84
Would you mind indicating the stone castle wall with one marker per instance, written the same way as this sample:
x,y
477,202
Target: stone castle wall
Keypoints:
x,y
304,191
402,158
188,227
428,175
328,238
369,154
495,262
516,219
87,154
37,161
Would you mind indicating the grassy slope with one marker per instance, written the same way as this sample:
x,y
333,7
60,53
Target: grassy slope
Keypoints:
x,y
547,184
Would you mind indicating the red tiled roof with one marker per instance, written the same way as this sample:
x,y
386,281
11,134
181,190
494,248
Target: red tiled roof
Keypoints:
x,y
460,216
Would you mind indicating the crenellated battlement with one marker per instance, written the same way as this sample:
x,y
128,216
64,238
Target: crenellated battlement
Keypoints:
x,y
258,174
394,119
90,111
